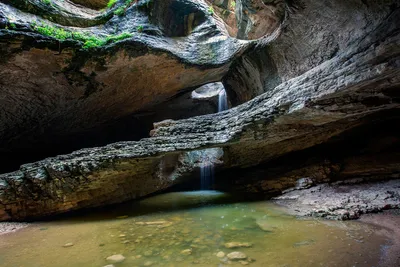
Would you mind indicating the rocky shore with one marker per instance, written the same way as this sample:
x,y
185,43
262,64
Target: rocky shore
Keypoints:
x,y
9,227
341,200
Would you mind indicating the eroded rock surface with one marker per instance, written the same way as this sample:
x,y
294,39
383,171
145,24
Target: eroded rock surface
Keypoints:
x,y
342,201
312,33
54,87
348,90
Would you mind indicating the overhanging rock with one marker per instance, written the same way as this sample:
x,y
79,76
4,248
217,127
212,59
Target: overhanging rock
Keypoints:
x,y
302,112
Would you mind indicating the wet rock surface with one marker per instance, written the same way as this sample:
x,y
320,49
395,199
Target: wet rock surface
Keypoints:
x,y
342,201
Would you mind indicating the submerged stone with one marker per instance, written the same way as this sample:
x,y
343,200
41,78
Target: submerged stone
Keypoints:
x,y
220,254
237,255
116,258
238,245
186,251
304,243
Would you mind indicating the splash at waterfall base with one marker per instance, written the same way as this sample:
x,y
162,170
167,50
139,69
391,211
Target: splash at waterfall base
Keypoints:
x,y
206,160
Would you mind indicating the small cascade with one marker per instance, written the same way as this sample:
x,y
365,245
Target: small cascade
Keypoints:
x,y
206,173
207,165
222,101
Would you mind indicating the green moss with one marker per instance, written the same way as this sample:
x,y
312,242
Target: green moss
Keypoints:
x,y
120,11
210,10
139,28
115,38
233,5
92,42
89,41
57,33
111,3
46,2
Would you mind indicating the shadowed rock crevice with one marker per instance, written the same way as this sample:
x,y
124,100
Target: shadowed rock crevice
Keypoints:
x,y
367,152
177,18
94,4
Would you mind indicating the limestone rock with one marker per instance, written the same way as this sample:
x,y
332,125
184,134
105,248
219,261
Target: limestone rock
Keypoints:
x,y
220,254
236,256
186,251
343,201
84,89
116,258
67,245
300,102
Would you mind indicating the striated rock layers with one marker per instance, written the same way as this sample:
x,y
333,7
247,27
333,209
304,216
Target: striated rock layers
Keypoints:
x,y
317,102
67,71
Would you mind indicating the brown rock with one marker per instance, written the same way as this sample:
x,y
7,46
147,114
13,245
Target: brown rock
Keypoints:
x,y
238,245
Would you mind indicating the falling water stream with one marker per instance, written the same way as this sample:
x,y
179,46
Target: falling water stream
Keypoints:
x,y
206,173
207,166
222,101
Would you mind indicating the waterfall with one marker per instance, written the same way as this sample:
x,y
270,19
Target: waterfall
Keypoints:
x,y
206,165
206,174
222,101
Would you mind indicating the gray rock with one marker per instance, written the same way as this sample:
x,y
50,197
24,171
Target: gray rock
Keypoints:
x,y
236,255
116,258
342,202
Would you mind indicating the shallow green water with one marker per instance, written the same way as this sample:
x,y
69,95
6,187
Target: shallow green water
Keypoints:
x,y
189,229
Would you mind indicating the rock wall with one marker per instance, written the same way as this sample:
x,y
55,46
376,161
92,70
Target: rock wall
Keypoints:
x,y
55,88
313,33
352,89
